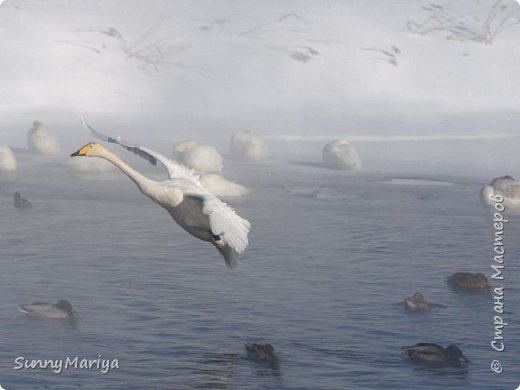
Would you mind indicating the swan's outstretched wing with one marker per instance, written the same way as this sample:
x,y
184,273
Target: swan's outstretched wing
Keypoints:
x,y
175,170
223,220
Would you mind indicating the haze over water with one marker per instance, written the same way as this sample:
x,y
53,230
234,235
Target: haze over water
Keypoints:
x,y
332,254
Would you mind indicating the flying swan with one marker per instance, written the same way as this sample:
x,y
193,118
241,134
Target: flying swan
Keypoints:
x,y
191,205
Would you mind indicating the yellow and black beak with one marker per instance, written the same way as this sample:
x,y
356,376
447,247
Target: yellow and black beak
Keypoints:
x,y
80,152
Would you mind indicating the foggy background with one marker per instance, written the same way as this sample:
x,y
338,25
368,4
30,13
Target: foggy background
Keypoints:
x,y
292,71
426,91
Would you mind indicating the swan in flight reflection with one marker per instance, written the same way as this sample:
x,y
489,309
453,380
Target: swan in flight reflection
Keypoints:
x,y
191,205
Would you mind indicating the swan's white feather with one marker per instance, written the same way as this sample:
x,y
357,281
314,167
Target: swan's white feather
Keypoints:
x,y
224,222
174,169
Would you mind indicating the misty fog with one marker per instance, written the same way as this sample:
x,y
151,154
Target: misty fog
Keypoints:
x,y
290,71
418,103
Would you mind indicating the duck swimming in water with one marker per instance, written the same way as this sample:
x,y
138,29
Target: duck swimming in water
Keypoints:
x,y
468,282
61,310
21,203
262,353
417,302
435,355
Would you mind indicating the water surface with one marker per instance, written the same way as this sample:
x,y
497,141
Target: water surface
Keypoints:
x,y
331,255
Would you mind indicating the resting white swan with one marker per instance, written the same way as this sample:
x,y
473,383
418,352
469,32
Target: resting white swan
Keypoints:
x,y
7,159
505,186
248,147
339,154
201,158
191,205
40,141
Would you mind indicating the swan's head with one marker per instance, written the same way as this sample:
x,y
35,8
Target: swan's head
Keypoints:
x,y
92,149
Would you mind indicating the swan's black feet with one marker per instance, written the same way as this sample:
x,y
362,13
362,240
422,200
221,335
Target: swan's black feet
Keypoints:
x,y
216,238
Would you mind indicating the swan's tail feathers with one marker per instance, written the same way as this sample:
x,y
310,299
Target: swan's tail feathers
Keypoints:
x,y
230,255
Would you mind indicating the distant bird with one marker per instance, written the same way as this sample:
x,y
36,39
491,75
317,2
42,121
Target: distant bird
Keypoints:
x,y
417,302
7,159
201,158
191,205
468,282
21,203
505,186
60,310
262,353
248,147
340,154
435,355
40,141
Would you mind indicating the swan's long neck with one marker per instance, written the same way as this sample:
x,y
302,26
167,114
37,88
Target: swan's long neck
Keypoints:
x,y
144,184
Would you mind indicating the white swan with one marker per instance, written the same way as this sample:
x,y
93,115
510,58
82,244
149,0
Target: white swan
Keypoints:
x,y
40,141
201,158
220,186
191,205
248,147
7,159
505,186
339,154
